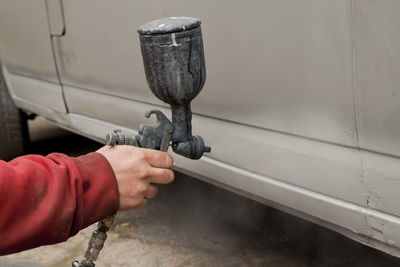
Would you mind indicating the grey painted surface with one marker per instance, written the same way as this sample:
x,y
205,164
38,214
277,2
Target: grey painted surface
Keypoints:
x,y
25,41
26,50
378,74
46,94
281,65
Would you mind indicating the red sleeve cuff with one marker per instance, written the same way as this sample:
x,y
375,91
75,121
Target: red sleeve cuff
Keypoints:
x,y
99,197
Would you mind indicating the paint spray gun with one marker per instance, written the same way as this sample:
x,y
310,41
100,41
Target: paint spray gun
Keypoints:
x,y
173,58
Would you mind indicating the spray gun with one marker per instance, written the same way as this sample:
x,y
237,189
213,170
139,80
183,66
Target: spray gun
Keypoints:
x,y
173,58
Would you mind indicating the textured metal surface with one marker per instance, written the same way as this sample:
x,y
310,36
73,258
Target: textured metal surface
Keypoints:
x,y
174,65
96,243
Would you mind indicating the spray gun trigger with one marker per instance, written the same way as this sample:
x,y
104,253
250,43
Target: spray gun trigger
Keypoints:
x,y
156,136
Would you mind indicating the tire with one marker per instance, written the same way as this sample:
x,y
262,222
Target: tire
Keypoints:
x,y
13,122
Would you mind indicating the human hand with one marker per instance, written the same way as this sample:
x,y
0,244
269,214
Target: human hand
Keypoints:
x,y
136,170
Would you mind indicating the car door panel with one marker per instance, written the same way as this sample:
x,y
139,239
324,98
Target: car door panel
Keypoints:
x,y
297,80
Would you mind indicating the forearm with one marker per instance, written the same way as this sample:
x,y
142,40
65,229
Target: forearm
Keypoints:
x,y
46,200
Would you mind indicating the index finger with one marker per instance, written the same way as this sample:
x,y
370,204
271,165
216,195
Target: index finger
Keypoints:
x,y
159,159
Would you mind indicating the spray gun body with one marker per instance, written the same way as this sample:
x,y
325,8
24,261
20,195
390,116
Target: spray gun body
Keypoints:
x,y
173,57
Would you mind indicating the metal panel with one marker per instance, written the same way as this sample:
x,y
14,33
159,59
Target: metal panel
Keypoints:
x,y
39,95
378,79
278,64
25,45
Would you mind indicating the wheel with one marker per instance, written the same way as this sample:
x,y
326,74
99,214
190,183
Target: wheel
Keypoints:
x,y
14,129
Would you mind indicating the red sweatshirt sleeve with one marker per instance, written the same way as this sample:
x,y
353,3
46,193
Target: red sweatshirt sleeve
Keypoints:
x,y
45,200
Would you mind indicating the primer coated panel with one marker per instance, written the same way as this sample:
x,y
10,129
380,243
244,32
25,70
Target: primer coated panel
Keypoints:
x,y
378,74
25,45
278,64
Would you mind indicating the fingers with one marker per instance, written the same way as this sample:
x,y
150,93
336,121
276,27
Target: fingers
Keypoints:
x,y
151,192
158,159
161,176
135,170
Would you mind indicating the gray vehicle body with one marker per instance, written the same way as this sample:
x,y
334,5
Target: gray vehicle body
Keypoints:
x,y
301,105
